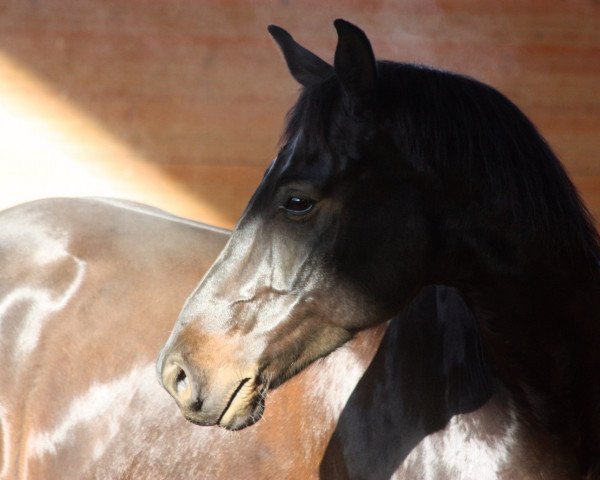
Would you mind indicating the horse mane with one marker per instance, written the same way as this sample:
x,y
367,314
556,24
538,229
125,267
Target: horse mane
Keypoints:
x,y
475,141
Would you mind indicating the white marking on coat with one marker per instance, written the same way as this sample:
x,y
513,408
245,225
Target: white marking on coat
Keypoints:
x,y
112,423
4,441
43,250
336,377
459,452
42,303
102,404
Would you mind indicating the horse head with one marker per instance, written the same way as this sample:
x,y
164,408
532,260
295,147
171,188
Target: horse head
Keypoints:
x,y
300,273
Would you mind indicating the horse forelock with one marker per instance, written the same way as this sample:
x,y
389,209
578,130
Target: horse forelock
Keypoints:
x,y
312,113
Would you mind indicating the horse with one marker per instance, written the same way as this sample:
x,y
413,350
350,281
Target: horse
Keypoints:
x,y
392,177
89,289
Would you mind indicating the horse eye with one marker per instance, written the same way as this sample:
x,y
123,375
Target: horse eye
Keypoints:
x,y
297,205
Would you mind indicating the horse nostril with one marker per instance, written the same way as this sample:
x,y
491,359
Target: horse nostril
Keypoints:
x,y
196,406
181,382
185,393
182,386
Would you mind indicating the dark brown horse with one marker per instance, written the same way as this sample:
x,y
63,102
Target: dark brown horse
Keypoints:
x,y
392,177
88,291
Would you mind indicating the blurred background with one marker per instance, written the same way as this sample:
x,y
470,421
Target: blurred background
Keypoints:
x,y
180,104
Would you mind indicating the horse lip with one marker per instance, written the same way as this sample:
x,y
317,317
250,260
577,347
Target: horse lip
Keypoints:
x,y
197,421
249,418
232,399
197,418
250,413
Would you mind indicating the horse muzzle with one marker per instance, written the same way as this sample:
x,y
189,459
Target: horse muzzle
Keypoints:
x,y
226,395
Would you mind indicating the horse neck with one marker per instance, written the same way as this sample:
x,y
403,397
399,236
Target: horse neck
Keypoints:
x,y
540,334
438,338
428,368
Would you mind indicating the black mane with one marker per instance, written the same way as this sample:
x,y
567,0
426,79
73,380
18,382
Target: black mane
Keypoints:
x,y
477,144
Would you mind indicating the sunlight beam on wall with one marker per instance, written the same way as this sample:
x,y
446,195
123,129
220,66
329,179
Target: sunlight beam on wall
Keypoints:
x,y
49,148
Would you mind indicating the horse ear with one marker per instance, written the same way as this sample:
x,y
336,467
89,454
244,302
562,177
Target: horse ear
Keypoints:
x,y
354,63
305,66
